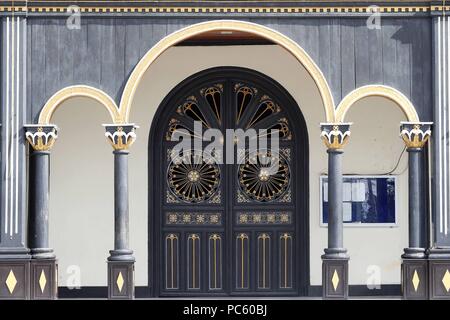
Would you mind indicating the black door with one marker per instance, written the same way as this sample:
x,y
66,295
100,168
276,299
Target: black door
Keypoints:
x,y
229,229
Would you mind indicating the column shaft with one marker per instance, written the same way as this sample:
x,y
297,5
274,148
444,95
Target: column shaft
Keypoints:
x,y
39,209
121,223
335,219
414,198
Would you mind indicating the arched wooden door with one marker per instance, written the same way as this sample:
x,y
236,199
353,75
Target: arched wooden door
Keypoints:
x,y
228,229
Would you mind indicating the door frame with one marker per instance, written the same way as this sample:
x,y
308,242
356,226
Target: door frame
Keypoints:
x,y
301,193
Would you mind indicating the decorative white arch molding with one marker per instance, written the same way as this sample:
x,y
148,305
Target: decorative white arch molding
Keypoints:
x,y
226,25
381,91
79,91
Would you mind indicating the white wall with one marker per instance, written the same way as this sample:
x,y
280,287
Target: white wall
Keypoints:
x,y
82,155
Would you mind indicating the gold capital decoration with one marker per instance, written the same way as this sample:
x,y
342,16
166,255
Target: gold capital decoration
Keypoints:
x,y
121,136
415,134
41,137
335,135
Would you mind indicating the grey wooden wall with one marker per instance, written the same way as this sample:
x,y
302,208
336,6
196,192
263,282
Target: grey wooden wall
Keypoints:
x,y
105,50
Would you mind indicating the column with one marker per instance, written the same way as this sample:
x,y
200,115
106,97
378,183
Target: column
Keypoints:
x,y
414,262
43,264
14,253
335,259
121,259
439,247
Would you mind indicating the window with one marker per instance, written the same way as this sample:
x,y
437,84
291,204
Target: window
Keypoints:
x,y
367,200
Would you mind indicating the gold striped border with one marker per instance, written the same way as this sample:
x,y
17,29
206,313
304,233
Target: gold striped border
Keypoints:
x,y
385,9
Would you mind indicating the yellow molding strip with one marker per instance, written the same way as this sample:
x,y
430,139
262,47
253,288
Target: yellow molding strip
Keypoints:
x,y
349,9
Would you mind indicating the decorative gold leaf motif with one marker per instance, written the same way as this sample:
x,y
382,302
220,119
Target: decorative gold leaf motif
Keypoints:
x,y
42,281
446,280
335,280
120,281
11,282
415,280
264,176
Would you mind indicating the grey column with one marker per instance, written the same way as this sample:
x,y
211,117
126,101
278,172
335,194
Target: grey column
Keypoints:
x,y
415,249
121,250
39,208
335,200
121,137
121,259
335,258
41,139
335,137
415,270
415,135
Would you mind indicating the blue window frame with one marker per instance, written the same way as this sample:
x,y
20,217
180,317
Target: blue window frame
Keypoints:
x,y
368,200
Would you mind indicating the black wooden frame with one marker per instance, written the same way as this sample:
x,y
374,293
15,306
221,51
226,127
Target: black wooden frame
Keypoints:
x,y
300,155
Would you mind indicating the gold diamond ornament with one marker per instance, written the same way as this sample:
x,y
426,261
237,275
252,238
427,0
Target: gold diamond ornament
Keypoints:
x,y
120,281
11,282
335,280
446,280
415,280
42,281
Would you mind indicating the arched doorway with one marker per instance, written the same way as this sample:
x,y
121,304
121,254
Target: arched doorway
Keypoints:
x,y
223,229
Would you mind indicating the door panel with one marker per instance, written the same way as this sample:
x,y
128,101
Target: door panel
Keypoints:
x,y
230,228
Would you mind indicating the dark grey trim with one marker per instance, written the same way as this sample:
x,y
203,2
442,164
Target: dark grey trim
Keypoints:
x,y
388,290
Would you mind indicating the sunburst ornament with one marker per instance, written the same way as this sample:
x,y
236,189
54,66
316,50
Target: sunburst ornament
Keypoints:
x,y
264,176
193,177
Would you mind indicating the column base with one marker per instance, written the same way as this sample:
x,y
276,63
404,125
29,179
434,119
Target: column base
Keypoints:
x,y
124,255
15,279
334,278
43,253
439,273
44,281
414,253
120,279
414,279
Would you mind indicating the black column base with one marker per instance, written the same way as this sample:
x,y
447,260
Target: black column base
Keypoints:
x,y
334,278
439,272
15,279
120,279
414,279
44,281
414,253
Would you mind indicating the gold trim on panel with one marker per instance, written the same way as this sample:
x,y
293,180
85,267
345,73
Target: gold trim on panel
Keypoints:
x,y
335,280
242,237
11,281
284,282
415,280
78,91
195,268
226,25
376,90
120,281
446,280
42,281
263,237
171,237
216,239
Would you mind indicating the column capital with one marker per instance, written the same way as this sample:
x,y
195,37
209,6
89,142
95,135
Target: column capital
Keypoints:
x,y
415,134
41,137
121,136
335,135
